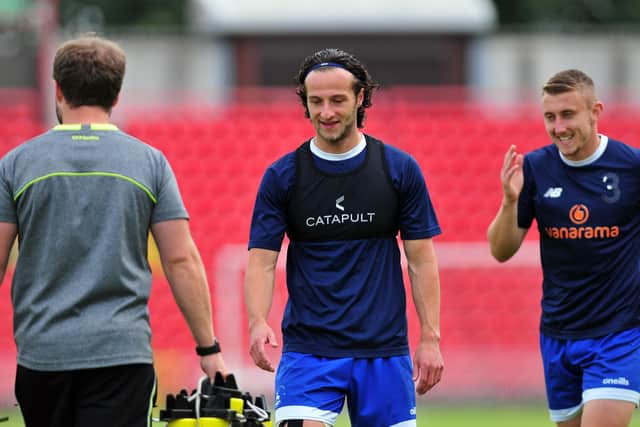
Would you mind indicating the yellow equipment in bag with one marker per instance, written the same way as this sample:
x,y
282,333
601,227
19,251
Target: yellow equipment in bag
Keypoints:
x,y
216,404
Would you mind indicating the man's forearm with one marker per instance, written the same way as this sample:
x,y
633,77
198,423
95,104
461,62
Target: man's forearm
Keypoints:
x,y
188,282
258,290
260,278
504,235
425,286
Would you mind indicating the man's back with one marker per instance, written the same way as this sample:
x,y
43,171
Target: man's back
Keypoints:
x,y
84,198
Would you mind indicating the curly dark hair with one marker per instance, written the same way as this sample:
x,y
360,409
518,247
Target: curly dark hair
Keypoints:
x,y
347,61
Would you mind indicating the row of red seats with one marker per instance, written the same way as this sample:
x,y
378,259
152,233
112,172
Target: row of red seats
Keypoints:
x,y
219,163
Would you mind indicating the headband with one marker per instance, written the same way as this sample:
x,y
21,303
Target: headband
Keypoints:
x,y
324,65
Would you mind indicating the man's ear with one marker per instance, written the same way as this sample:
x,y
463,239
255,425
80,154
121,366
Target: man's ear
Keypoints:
x,y
598,106
59,94
360,98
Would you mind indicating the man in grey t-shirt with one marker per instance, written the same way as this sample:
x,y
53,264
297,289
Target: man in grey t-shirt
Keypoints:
x,y
81,198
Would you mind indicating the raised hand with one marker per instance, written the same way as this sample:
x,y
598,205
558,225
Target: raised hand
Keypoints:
x,y
511,175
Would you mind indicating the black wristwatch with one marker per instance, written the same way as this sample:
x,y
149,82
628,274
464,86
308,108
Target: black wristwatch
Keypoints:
x,y
206,351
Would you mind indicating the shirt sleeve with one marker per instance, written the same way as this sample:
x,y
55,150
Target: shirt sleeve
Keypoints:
x,y
7,205
526,206
169,204
417,216
269,220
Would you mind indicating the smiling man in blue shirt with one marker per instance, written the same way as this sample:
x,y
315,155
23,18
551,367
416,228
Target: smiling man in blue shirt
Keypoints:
x,y
341,198
583,190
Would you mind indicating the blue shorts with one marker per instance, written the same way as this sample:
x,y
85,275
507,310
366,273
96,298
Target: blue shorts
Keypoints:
x,y
379,391
577,371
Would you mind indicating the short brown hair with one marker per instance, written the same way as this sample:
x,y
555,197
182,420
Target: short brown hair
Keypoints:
x,y
89,71
568,80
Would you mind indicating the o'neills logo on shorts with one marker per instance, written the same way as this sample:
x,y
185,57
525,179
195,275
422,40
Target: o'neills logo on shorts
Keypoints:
x,y
579,214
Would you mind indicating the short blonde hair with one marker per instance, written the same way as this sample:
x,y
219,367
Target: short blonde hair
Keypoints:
x,y
568,80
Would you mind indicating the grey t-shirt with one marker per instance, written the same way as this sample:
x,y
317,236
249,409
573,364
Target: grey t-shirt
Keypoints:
x,y
83,198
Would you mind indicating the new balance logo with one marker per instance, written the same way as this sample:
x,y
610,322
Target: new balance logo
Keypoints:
x,y
553,192
338,201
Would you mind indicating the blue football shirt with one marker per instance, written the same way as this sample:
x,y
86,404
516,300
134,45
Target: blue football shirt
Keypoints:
x,y
588,216
356,287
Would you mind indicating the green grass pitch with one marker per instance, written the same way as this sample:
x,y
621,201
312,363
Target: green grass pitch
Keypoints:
x,y
498,415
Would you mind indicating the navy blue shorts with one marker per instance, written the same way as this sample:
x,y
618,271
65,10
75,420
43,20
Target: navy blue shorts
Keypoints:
x,y
118,396
577,371
379,391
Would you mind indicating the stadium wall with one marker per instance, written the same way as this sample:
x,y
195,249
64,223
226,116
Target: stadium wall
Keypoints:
x,y
498,68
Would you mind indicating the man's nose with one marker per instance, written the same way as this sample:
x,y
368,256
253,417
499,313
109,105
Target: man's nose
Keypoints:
x,y
326,110
560,127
